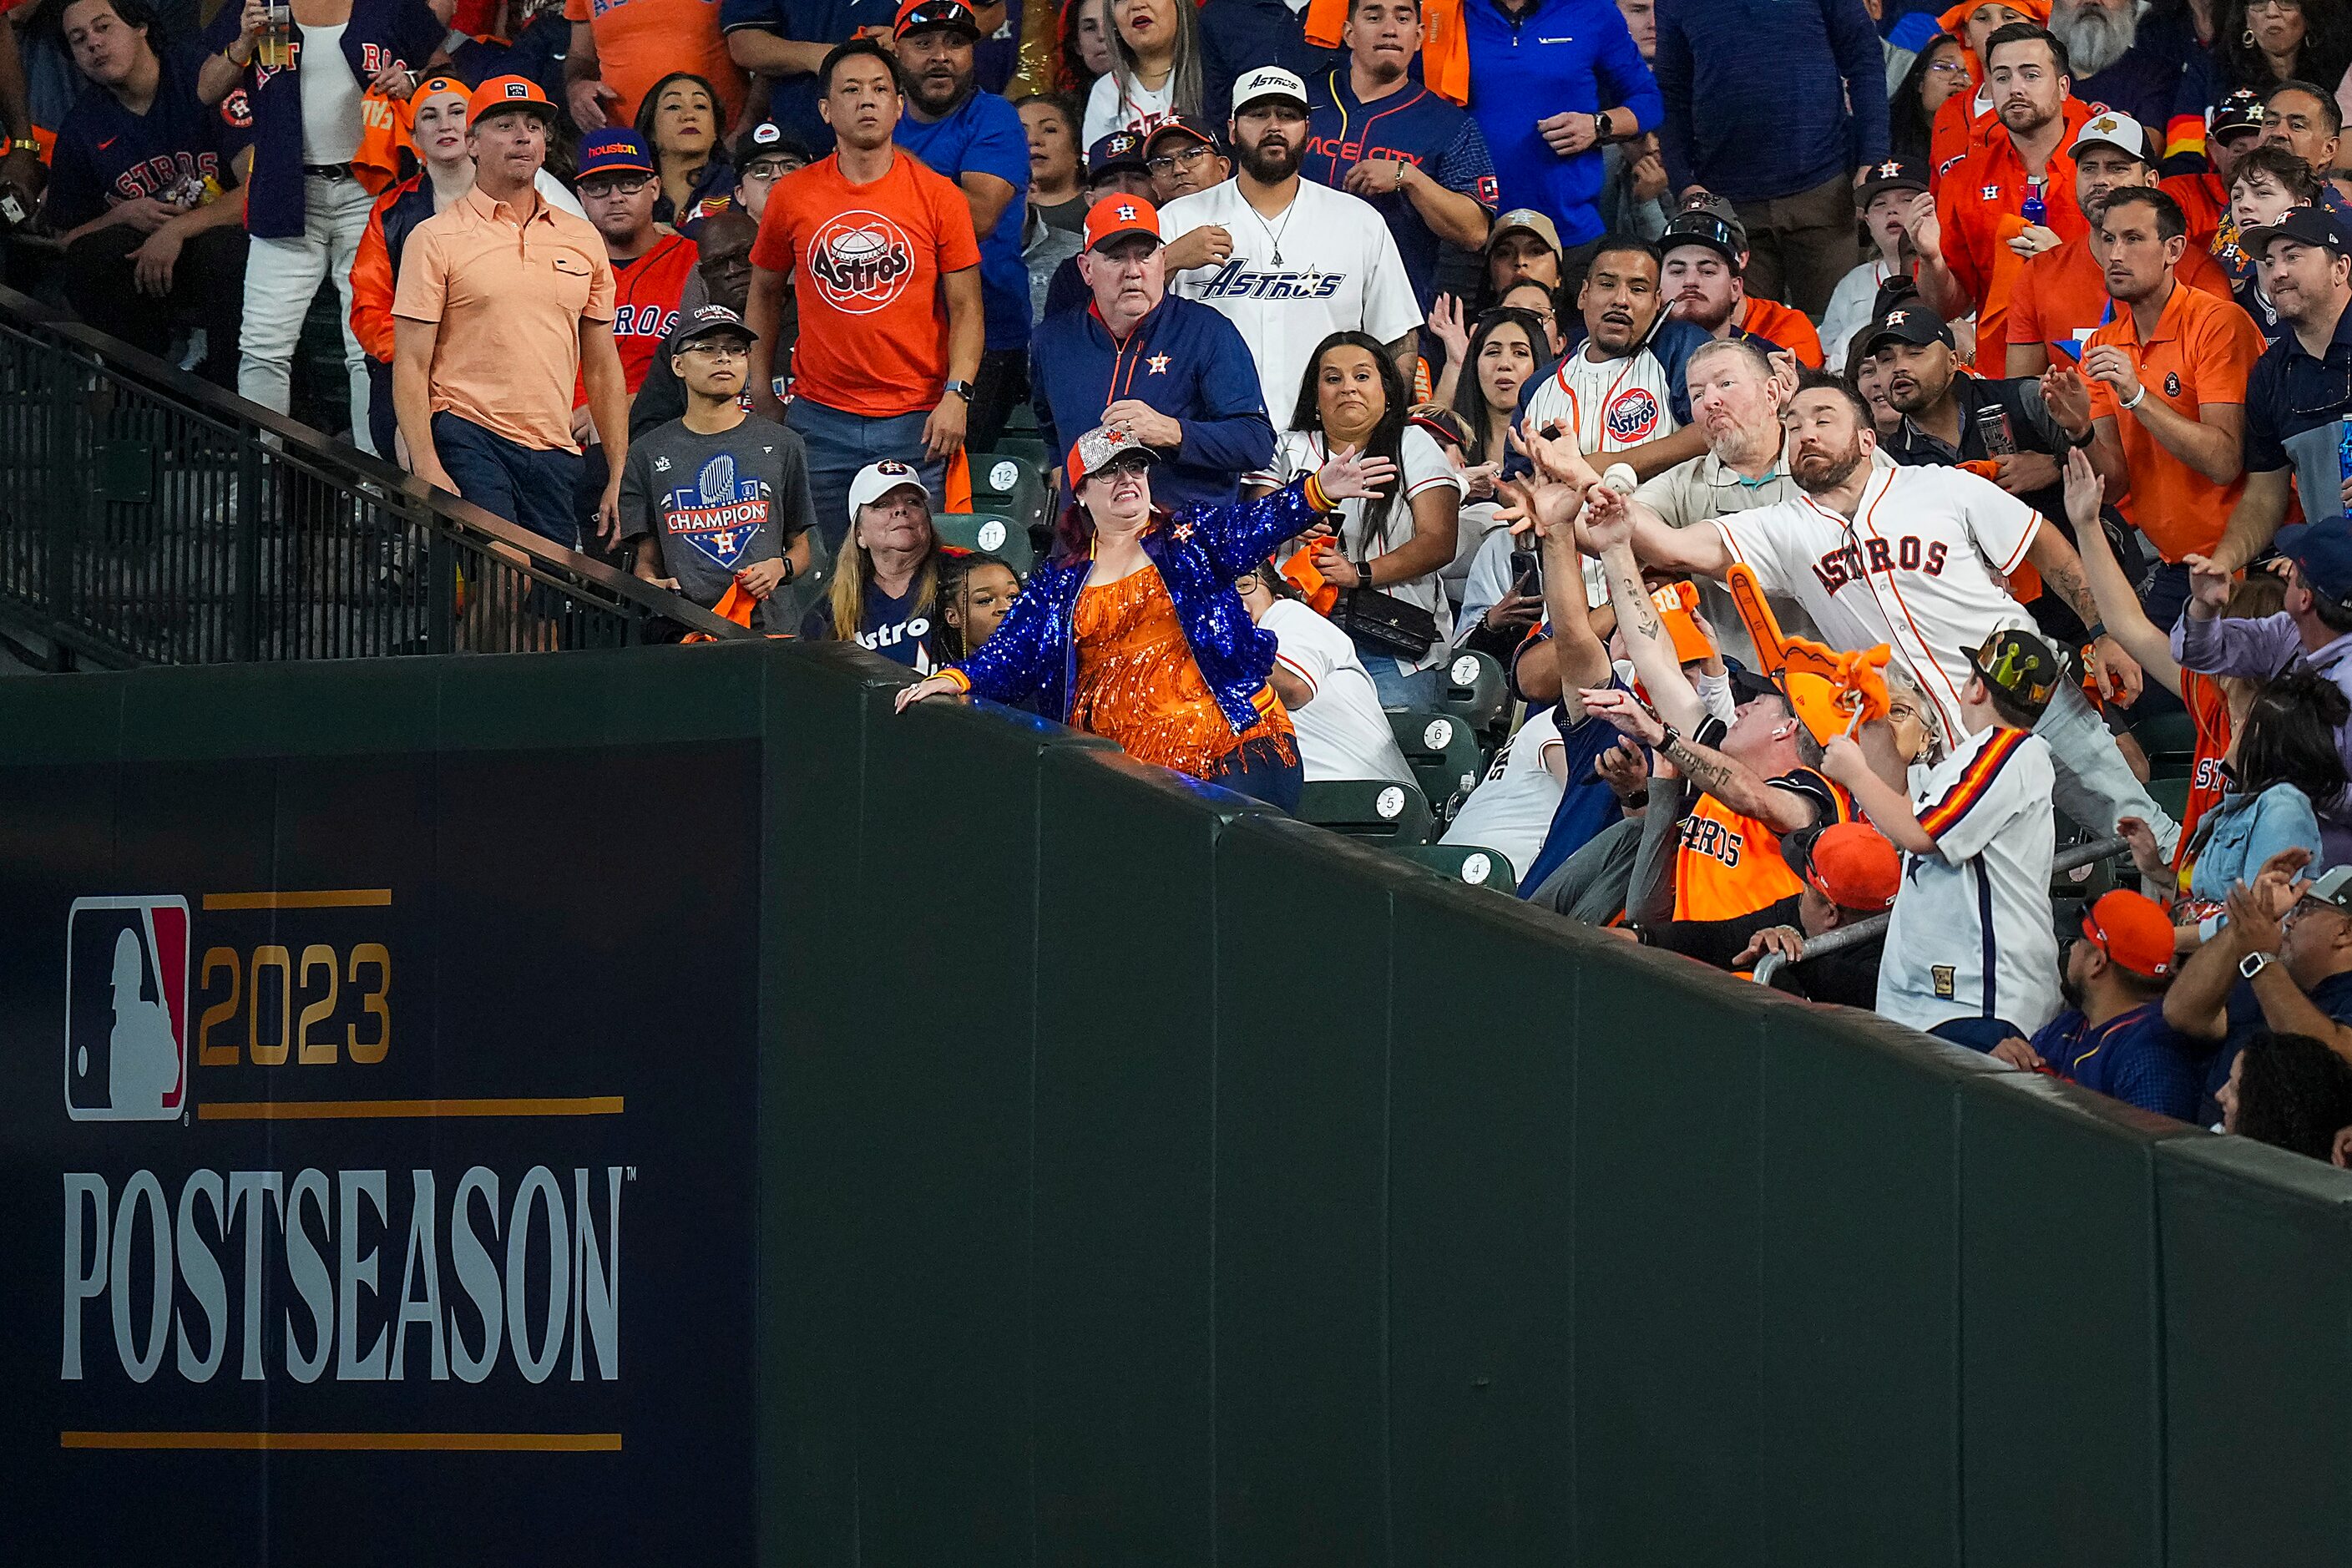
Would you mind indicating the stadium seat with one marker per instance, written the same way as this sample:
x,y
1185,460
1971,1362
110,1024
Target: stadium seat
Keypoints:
x,y
1010,487
1443,751
1476,692
1393,814
805,590
1028,447
991,532
2171,741
1466,863
2172,793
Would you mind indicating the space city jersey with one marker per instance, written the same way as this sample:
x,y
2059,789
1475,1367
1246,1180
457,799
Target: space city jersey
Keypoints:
x,y
718,504
1328,264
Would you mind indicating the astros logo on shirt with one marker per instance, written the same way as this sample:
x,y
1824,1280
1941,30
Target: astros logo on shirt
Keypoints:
x,y
861,261
719,514
1633,415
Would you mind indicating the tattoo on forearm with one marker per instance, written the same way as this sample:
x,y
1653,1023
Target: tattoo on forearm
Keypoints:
x,y
2068,580
1645,614
1708,770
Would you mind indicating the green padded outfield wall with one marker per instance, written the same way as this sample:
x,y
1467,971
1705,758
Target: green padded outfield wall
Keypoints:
x,y
665,1107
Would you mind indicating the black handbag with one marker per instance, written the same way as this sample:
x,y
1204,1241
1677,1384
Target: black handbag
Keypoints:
x,y
1394,626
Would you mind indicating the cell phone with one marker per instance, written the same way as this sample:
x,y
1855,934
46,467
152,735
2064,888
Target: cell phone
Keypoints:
x,y
1993,424
1523,571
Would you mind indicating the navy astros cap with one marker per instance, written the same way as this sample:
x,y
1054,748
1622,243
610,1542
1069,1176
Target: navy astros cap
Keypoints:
x,y
2322,551
1893,174
1908,322
1120,150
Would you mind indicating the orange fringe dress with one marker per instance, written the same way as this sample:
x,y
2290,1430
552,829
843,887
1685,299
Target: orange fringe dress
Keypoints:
x,y
1138,684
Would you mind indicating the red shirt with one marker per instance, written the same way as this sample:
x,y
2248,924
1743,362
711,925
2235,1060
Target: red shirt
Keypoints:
x,y
2063,293
872,262
1980,209
645,302
1960,130
2201,695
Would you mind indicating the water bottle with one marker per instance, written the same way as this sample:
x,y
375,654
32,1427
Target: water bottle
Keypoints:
x,y
2035,210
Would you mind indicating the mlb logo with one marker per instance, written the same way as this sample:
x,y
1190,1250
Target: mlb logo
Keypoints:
x,y
127,1009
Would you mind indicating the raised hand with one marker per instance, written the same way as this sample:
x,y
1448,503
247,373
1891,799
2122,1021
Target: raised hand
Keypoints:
x,y
1351,474
1447,325
2086,491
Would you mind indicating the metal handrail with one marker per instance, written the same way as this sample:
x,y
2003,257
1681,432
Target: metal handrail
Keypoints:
x,y
254,536
1862,931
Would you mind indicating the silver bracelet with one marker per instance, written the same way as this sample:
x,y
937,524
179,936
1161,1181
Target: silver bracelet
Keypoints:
x,y
2136,398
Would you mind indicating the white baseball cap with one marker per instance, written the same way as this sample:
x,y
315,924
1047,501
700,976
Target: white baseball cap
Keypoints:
x,y
2108,129
876,480
1268,81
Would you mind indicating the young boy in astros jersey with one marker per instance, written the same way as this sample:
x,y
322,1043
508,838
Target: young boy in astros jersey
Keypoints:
x,y
1970,952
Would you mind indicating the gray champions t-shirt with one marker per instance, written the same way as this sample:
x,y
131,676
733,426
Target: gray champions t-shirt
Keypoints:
x,y
717,503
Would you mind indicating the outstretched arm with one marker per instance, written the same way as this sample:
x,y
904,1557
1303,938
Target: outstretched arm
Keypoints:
x,y
2118,606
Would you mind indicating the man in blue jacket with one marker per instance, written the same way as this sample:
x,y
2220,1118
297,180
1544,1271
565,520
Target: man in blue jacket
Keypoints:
x,y
1176,374
1798,73
1551,82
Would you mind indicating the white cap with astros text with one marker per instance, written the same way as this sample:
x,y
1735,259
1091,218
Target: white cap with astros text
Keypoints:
x,y
1269,81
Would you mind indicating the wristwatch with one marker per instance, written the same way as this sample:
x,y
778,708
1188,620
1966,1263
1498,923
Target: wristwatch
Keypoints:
x,y
961,388
1603,128
2253,963
1667,741
789,572
24,144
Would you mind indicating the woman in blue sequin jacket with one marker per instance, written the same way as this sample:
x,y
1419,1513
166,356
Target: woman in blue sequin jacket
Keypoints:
x,y
1133,631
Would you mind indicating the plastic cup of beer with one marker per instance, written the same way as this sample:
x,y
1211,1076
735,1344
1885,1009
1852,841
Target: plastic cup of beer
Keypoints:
x,y
276,51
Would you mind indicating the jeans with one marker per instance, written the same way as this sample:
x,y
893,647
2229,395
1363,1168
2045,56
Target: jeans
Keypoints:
x,y
539,489
282,276
207,288
839,444
1258,767
1397,687
2095,786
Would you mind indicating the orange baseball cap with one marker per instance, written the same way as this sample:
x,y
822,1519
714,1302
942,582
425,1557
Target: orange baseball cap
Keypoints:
x,y
440,84
1850,864
1114,217
509,93
1676,602
2132,931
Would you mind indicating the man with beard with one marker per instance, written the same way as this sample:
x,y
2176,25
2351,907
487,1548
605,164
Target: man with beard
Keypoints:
x,y
1952,418
888,296
1967,118
1914,558
2300,391
975,139
2012,198
1622,390
1418,159
1816,75
2162,392
2130,63
1306,261
2062,295
2112,1037
1704,280
1175,373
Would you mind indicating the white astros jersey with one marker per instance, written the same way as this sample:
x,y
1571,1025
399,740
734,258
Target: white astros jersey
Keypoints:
x,y
1921,567
1612,403
1326,265
1971,936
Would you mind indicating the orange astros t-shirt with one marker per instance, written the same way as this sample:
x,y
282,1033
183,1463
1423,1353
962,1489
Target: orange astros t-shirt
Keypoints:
x,y
638,42
869,261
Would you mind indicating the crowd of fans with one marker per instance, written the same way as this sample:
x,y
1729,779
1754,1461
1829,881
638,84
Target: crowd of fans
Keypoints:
x,y
2001,354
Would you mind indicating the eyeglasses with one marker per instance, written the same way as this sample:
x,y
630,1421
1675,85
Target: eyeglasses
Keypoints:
x,y
2281,6
1950,68
616,186
1169,163
1127,463
719,348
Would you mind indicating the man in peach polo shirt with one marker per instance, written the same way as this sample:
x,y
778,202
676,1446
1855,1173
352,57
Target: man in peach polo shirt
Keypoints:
x,y
503,301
